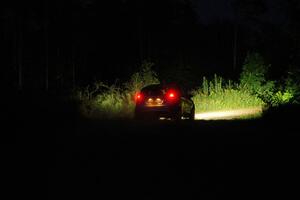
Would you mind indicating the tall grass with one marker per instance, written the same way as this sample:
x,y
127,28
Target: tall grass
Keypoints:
x,y
217,95
114,101
117,101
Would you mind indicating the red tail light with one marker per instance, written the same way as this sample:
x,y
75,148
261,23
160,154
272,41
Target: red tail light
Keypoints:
x,y
139,97
172,95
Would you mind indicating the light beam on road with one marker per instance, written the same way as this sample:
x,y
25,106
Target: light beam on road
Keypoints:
x,y
230,114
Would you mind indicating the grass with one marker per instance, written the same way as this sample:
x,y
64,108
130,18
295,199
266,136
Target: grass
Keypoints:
x,y
215,95
111,102
102,101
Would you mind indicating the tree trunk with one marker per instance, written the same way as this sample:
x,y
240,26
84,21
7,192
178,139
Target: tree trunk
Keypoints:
x,y
140,38
73,64
19,57
235,38
73,74
235,46
46,47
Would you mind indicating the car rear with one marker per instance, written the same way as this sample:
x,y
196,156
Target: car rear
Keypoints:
x,y
158,101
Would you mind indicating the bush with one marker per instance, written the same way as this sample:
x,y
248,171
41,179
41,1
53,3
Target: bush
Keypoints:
x,y
145,76
292,84
281,98
114,101
254,78
216,95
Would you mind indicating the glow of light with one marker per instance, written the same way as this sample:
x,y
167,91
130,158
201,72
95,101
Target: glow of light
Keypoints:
x,y
230,114
172,95
138,96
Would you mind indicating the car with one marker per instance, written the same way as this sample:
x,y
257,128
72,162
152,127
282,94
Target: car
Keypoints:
x,y
166,101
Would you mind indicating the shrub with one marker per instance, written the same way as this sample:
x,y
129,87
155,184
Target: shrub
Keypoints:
x,y
292,84
145,76
215,95
281,98
114,101
254,78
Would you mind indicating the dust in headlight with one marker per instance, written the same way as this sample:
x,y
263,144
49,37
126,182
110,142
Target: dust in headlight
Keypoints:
x,y
230,114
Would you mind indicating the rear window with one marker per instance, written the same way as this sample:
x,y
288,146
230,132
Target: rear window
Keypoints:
x,y
156,90
153,90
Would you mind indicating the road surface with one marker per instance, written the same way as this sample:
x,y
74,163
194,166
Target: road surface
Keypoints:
x,y
228,114
62,156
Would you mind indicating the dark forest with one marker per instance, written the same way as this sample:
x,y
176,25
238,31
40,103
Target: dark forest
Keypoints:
x,y
54,45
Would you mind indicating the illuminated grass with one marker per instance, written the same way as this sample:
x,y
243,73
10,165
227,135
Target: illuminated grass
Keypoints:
x,y
226,100
215,96
102,101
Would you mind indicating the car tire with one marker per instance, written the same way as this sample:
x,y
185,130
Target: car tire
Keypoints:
x,y
192,114
176,117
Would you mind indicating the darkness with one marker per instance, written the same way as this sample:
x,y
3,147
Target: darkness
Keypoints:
x,y
81,41
51,47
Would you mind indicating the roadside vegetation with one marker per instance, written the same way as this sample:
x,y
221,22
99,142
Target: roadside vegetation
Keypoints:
x,y
254,90
218,95
101,100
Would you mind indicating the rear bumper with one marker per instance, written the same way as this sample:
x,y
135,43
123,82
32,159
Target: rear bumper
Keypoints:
x,y
162,111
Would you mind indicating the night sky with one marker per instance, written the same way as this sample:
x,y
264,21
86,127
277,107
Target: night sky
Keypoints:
x,y
210,11
80,41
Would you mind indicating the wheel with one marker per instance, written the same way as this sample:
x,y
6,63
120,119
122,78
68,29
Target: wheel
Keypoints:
x,y
176,116
192,114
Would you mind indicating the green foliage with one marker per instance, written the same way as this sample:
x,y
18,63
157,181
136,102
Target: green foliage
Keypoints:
x,y
281,98
215,95
254,78
114,101
146,76
289,90
110,102
292,84
254,72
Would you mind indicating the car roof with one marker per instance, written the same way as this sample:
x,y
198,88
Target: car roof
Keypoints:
x,y
161,86
152,87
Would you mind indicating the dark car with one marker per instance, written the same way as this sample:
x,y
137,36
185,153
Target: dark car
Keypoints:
x,y
164,101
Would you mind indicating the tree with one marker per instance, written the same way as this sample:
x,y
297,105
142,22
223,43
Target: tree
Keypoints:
x,y
254,77
291,10
246,14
